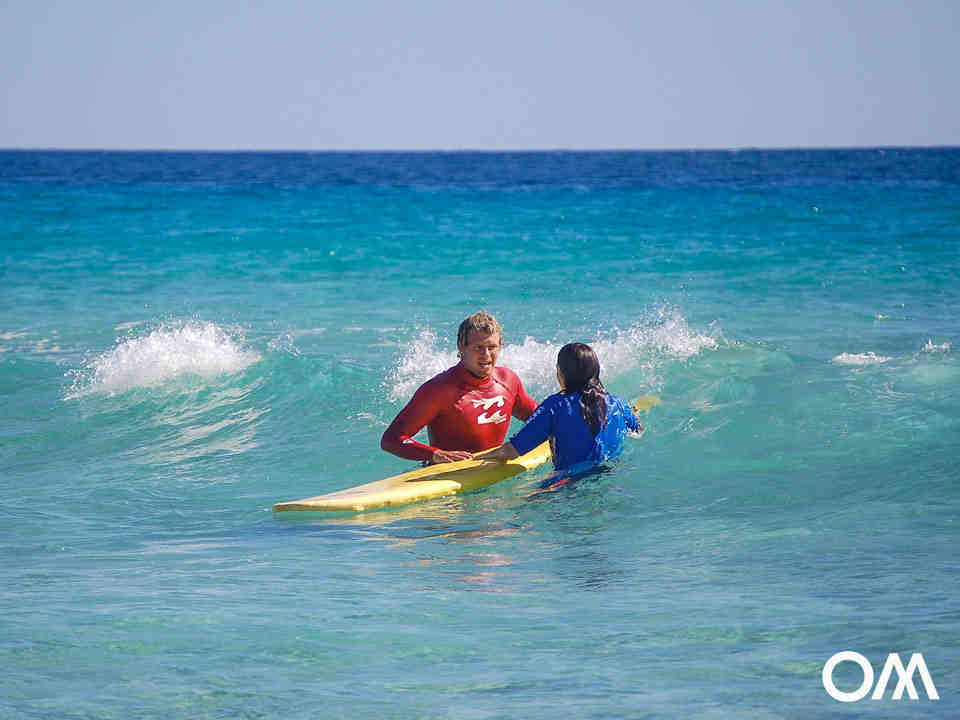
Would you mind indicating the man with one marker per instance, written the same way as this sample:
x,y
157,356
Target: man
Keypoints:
x,y
466,408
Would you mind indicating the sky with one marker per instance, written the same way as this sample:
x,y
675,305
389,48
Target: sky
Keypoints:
x,y
478,74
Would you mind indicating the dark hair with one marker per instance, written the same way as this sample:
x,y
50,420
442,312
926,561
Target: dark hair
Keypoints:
x,y
482,322
581,373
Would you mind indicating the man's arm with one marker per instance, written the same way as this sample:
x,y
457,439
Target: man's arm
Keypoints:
x,y
419,412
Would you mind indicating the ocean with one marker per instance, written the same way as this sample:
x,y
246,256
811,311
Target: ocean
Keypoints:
x,y
188,338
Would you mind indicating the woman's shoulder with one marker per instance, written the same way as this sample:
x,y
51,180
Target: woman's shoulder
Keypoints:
x,y
555,401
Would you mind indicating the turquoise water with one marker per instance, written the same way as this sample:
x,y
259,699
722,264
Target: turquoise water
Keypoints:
x,y
186,339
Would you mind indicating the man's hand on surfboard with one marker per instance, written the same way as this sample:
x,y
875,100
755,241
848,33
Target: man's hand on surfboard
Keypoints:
x,y
445,456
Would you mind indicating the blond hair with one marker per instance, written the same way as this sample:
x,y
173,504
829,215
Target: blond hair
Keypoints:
x,y
482,322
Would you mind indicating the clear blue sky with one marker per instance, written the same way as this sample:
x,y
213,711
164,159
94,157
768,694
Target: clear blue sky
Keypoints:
x,y
480,74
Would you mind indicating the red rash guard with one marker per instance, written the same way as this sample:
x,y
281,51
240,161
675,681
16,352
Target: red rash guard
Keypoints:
x,y
460,411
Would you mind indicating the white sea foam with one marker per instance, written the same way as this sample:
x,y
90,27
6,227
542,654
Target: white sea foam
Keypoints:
x,y
931,348
200,349
422,360
662,333
284,343
867,358
29,343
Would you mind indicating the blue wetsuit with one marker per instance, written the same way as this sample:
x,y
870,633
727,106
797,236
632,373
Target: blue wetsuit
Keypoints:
x,y
559,418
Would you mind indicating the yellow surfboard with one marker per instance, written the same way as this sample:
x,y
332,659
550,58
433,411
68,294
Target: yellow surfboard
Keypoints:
x,y
424,483
432,481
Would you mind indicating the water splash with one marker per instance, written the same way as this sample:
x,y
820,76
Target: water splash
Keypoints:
x,y
931,348
192,349
662,334
423,359
867,358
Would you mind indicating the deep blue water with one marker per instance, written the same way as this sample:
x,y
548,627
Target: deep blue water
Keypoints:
x,y
187,338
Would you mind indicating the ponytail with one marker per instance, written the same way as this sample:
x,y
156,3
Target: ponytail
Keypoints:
x,y
581,373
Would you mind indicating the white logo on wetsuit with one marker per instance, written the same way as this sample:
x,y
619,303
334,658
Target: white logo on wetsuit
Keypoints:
x,y
486,404
497,417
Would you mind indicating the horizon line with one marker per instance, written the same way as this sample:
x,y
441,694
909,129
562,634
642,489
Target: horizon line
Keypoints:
x,y
452,151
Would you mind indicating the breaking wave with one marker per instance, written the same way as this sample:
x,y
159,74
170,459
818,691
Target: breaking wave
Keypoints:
x,y
173,350
641,347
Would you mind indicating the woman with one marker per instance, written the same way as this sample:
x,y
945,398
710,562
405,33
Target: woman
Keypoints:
x,y
584,422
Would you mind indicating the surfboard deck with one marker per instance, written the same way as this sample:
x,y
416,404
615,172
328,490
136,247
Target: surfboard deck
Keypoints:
x,y
432,481
424,483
